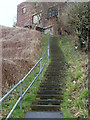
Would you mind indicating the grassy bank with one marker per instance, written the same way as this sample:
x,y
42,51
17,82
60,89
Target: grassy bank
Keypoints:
x,y
76,92
31,94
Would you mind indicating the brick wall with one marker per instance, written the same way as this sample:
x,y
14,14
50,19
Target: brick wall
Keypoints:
x,y
31,9
23,18
53,22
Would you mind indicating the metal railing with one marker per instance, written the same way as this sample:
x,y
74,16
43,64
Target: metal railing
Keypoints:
x,y
21,82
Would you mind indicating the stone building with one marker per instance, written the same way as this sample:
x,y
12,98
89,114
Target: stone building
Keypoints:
x,y
38,15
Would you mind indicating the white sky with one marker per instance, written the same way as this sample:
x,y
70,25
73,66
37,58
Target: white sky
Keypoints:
x,y
8,11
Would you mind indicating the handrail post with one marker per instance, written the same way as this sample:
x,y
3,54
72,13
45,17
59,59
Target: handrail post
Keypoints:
x,y
40,68
49,44
21,96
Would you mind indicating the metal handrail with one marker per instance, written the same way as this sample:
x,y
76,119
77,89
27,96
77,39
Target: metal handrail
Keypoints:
x,y
21,81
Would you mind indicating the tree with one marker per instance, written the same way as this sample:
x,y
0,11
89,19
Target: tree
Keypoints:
x,y
78,19
15,21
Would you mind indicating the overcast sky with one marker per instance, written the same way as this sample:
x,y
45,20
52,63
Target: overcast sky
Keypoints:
x,y
8,10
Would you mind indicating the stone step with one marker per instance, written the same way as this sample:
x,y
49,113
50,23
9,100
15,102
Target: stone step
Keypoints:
x,y
54,73
49,75
55,81
49,92
46,90
34,115
52,81
47,101
49,88
52,84
54,78
49,96
45,107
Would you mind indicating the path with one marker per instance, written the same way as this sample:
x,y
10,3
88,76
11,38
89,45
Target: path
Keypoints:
x,y
50,95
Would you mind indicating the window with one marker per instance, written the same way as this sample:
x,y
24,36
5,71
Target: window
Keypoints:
x,y
36,4
24,10
52,12
37,18
56,12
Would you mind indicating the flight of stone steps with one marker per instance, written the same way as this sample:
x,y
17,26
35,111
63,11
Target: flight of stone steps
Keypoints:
x,y
50,94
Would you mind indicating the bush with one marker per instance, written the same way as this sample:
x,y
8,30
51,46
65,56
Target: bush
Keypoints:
x,y
76,17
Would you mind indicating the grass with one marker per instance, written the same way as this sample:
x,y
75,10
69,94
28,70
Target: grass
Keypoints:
x,y
75,94
31,94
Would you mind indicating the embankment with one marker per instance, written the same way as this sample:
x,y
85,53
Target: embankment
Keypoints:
x,y
20,49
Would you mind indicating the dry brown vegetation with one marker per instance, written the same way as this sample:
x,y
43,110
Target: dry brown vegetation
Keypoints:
x,y
20,48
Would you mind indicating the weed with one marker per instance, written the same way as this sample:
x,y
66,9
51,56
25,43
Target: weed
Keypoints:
x,y
79,75
74,95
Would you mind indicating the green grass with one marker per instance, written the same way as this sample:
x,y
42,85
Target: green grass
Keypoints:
x,y
67,113
75,94
31,94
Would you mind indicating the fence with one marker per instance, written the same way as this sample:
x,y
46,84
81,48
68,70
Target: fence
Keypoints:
x,y
21,82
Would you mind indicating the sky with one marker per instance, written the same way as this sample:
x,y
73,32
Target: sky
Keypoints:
x,y
8,11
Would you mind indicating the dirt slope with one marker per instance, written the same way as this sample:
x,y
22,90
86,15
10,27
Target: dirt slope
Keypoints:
x,y
20,49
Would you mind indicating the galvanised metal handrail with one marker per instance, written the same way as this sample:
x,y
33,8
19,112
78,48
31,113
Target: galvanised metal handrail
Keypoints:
x,y
21,82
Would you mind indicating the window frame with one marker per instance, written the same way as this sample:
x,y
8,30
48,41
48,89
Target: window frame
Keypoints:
x,y
23,10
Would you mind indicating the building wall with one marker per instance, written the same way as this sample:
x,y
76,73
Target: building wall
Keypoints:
x,y
31,9
25,18
53,22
